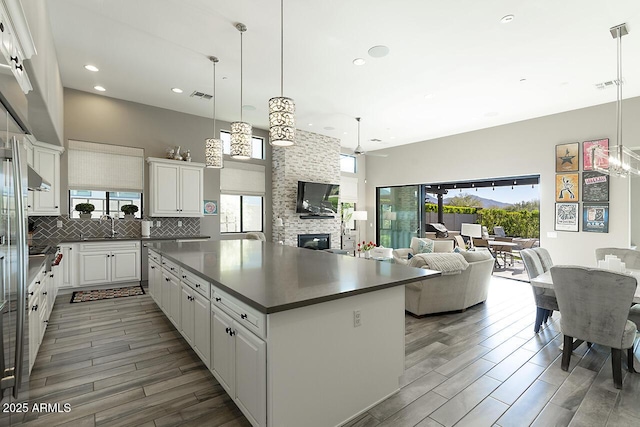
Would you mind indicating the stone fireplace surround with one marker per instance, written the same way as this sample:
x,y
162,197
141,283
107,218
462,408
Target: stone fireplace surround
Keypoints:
x,y
314,158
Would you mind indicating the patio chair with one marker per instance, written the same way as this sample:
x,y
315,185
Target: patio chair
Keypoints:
x,y
460,242
498,231
593,304
504,251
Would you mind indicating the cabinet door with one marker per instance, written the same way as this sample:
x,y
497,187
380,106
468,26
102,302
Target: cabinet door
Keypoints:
x,y
153,281
94,267
251,375
125,266
34,329
175,301
223,351
68,266
186,305
165,188
191,192
47,164
202,328
166,295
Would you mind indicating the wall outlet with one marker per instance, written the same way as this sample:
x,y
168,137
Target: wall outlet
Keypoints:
x,y
59,224
157,223
357,318
179,223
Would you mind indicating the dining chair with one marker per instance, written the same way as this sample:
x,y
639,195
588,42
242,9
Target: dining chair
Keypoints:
x,y
545,258
544,298
631,259
594,305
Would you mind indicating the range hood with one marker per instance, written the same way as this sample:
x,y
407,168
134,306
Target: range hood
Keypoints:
x,y
35,182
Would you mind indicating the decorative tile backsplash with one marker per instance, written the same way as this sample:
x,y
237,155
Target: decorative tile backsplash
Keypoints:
x,y
46,228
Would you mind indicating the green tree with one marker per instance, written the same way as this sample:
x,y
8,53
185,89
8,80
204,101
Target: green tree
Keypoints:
x,y
466,200
531,205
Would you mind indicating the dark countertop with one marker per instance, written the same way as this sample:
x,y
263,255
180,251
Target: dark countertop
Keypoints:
x,y
272,278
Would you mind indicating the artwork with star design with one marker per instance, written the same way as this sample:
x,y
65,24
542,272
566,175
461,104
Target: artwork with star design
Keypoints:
x,y
588,149
568,157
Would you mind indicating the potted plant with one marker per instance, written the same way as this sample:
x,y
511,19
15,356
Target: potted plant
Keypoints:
x,y
129,211
85,210
365,248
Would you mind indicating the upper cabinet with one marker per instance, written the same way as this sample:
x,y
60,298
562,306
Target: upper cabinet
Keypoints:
x,y
46,161
16,43
176,188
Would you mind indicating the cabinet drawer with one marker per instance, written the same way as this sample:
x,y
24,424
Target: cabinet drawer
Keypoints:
x,y
154,256
171,267
109,246
196,283
247,316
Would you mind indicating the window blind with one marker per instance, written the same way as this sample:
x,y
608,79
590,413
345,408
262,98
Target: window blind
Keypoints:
x,y
348,189
242,178
94,166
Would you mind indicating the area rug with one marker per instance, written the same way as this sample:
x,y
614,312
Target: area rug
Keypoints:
x,y
83,296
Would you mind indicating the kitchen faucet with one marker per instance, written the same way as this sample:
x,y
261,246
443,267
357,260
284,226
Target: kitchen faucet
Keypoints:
x,y
113,230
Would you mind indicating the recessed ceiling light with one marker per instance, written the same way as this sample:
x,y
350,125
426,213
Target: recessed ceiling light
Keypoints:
x,y
91,67
392,137
310,124
506,19
176,90
99,88
248,108
329,128
344,133
378,51
358,61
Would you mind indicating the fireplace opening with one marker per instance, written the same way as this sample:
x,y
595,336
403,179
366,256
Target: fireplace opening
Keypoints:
x,y
314,241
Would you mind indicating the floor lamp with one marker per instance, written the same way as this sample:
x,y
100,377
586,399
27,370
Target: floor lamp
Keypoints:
x,y
471,231
359,216
279,224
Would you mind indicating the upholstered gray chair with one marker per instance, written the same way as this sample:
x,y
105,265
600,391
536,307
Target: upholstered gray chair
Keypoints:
x,y
594,306
631,259
545,258
545,299
256,235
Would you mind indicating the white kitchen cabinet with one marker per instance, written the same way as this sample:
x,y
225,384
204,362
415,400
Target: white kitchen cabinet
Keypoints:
x,y
34,328
166,294
239,360
67,265
174,301
17,43
177,188
155,277
46,161
195,320
106,262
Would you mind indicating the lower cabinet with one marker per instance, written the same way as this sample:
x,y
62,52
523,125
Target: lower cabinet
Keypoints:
x,y
195,322
239,362
155,281
171,298
109,262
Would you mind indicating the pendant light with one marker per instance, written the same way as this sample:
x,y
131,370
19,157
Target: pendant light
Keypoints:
x,y
241,131
617,160
213,145
282,121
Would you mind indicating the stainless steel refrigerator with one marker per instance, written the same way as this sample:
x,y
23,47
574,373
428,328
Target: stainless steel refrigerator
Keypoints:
x,y
14,345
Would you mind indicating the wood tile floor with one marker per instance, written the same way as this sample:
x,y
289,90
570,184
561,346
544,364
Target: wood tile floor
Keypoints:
x,y
121,363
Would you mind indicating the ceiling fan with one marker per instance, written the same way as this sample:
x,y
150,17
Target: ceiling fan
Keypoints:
x,y
359,151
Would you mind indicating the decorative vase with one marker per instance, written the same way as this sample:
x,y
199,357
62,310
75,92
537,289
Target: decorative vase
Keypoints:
x,y
129,216
85,216
367,254
177,155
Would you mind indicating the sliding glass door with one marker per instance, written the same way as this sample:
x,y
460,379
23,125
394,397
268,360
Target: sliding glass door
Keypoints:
x,y
398,215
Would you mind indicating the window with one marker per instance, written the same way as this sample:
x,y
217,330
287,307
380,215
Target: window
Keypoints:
x,y
240,214
347,163
105,202
257,145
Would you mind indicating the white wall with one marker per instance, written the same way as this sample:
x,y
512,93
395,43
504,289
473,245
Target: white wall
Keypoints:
x,y
522,148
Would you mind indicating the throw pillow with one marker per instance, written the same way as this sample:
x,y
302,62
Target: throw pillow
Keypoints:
x,y
425,246
458,250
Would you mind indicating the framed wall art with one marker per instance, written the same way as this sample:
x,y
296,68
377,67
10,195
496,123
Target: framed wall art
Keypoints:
x,y
595,217
567,187
566,217
595,187
568,157
210,207
588,147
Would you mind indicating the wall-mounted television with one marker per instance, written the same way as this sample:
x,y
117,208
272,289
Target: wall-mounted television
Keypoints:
x,y
317,199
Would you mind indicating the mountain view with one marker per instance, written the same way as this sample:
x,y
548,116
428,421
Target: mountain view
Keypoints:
x,y
485,203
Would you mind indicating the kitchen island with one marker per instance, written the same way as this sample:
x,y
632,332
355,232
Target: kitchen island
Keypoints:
x,y
298,337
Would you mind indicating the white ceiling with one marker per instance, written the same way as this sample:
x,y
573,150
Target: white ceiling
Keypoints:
x,y
452,67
